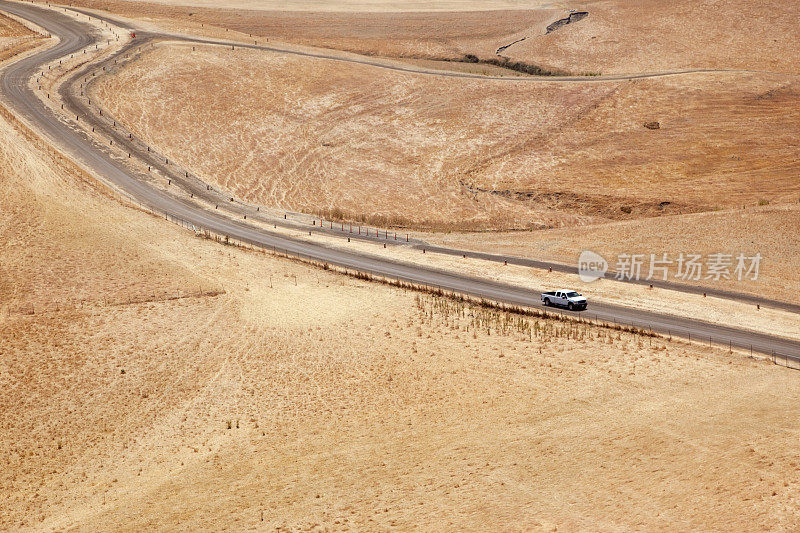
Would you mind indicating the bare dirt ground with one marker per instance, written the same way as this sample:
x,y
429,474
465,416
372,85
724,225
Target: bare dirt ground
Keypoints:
x,y
360,142
153,380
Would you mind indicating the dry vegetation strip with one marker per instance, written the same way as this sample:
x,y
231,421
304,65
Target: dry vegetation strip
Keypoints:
x,y
10,28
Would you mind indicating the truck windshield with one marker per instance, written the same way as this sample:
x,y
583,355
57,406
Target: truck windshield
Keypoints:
x,y
571,294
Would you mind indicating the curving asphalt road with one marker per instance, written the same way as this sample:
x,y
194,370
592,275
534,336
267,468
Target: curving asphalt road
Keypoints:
x,y
190,183
75,35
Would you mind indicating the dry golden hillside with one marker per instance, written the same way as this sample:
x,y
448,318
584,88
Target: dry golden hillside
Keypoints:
x,y
306,399
15,38
618,36
362,142
651,35
359,6
154,380
394,29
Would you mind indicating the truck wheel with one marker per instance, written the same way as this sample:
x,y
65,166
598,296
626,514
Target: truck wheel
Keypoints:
x,y
571,306
547,302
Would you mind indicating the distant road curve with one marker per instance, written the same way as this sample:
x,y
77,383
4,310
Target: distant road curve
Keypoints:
x,y
397,65
75,35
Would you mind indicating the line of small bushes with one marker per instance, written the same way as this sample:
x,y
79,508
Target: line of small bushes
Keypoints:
x,y
518,66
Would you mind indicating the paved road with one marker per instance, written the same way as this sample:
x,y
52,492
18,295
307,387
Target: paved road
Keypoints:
x,y
76,35
191,184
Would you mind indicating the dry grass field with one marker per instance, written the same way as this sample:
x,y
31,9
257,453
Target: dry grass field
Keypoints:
x,y
154,380
377,29
310,400
651,35
11,29
360,142
617,36
15,38
362,6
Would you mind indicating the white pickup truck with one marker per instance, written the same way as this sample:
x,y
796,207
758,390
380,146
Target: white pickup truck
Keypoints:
x,y
570,299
